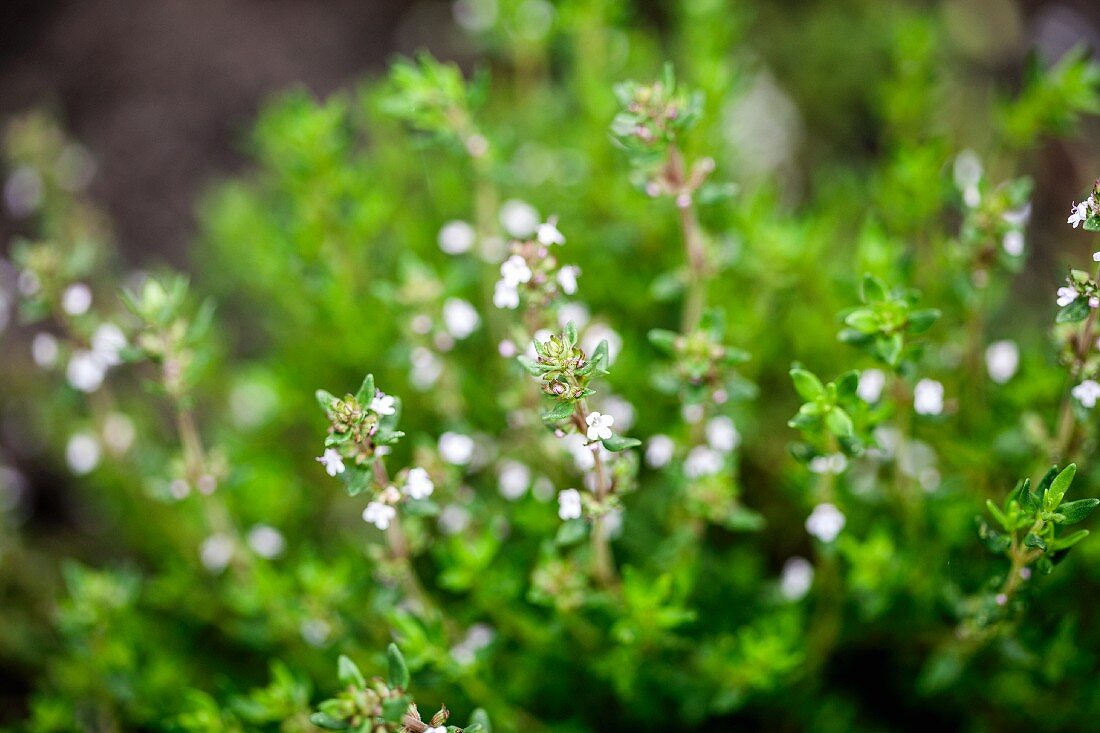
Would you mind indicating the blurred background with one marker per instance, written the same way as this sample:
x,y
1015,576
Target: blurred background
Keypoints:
x,y
163,93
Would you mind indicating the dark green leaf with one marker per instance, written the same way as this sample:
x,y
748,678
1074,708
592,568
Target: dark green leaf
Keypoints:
x,y
398,676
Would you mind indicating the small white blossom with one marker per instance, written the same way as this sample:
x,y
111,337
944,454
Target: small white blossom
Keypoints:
x,y
108,341
569,504
620,409
659,450
825,522
379,514
426,368
967,169
456,448
1087,392
1013,243
1002,359
216,552
460,318
928,397
332,461
1096,256
871,382
436,729
582,454
507,348
85,371
519,218
514,478
576,312
834,463
266,541
45,350
567,279
505,295
797,578
418,484
1081,212
383,404
77,299
82,453
453,519
703,461
599,425
722,434
1066,296
598,332
456,237
515,271
118,432
548,232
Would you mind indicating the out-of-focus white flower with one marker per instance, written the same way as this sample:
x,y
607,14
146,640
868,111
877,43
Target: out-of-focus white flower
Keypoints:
x,y
507,348
456,237
797,578
567,278
82,453
514,479
1065,296
383,404
598,332
85,371
216,552
460,318
456,448
620,409
315,631
825,522
1087,392
379,514
1013,243
76,299
703,461
575,312
967,169
418,484
118,432
266,541
722,434
583,457
834,463
45,350
108,341
928,397
505,295
332,461
871,382
569,504
515,271
599,425
23,191
453,519
519,218
548,232
426,367
659,450
1002,359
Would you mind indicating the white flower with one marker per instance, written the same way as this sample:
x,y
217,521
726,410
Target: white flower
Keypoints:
x,y
456,237
519,218
454,518
418,484
266,541
1066,296
379,514
85,371
575,312
569,504
460,318
514,479
871,382
436,729
825,522
703,461
216,552
82,453
118,432
456,448
505,295
1096,256
45,350
426,368
599,425
1087,392
1013,243
659,450
928,397
567,278
383,404
77,299
515,271
582,454
722,434
598,332
332,461
832,464
1002,359
548,232
797,578
967,169
107,343
620,409
1081,212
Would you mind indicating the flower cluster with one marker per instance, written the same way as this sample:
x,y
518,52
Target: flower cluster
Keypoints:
x,y
1087,212
886,322
702,369
531,274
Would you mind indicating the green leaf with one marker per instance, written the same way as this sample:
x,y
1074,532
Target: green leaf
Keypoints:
x,y
398,676
533,368
889,349
1058,487
560,411
326,721
663,340
1092,224
326,401
997,514
394,709
1064,543
839,423
600,357
872,289
922,320
808,386
618,443
1074,511
1075,312
862,320
847,383
1034,540
366,390
349,673
571,532
570,334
